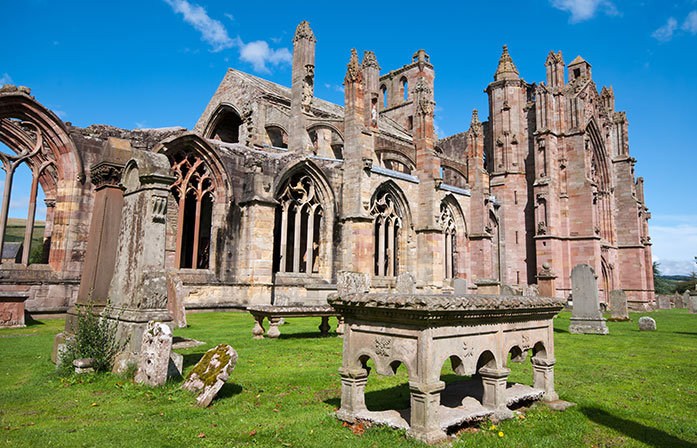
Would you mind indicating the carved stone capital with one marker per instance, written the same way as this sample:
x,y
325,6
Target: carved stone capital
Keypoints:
x,y
106,175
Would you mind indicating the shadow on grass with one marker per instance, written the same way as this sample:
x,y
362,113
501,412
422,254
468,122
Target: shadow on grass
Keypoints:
x,y
229,390
30,321
396,397
306,335
686,332
560,330
637,431
191,359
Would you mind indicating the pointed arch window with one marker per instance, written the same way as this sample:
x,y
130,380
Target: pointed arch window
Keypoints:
x,y
386,228
300,224
447,223
194,192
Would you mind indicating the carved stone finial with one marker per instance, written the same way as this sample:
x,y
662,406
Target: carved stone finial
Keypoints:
x,y
554,58
369,60
353,68
475,125
303,31
506,69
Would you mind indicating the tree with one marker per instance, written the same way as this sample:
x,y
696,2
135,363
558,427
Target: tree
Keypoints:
x,y
660,284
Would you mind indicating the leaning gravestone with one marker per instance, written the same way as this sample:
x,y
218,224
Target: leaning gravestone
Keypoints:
x,y
663,302
647,324
618,305
586,317
406,284
210,373
154,356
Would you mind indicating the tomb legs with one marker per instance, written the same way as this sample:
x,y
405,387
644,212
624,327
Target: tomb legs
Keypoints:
x,y
543,377
494,384
274,332
324,326
425,402
340,326
258,330
352,393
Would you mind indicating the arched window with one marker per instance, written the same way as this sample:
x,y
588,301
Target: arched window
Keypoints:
x,y
386,227
405,88
447,223
227,126
300,223
277,136
194,192
383,92
326,142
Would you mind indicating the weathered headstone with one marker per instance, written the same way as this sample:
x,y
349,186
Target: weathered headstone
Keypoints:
x,y
175,299
154,356
210,373
692,304
586,317
406,284
685,299
647,324
663,302
618,305
531,290
459,286
352,282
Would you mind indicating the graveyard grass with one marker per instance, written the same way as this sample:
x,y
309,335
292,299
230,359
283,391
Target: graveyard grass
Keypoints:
x,y
631,388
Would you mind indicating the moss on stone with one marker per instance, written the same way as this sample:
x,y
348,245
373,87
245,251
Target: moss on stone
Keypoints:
x,y
201,370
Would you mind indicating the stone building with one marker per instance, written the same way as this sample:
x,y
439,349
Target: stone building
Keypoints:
x,y
275,191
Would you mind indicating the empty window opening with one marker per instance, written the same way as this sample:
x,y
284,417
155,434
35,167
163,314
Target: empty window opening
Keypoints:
x,y
383,92
227,127
410,122
277,137
405,88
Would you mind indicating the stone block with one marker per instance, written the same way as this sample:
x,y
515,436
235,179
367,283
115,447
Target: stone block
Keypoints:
x,y
406,284
352,282
12,309
647,324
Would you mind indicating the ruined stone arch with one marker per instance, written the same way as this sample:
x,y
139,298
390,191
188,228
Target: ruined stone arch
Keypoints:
x,y
453,176
225,124
277,135
200,197
304,224
40,140
327,140
395,160
391,227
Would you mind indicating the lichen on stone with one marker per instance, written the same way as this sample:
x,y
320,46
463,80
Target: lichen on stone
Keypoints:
x,y
205,370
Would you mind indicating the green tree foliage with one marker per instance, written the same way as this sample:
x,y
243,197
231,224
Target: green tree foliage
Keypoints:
x,y
660,284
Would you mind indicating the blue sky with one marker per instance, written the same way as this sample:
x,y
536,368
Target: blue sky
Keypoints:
x,y
156,63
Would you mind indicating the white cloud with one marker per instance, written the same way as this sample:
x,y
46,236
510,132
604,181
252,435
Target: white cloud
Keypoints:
x,y
335,87
676,267
584,9
690,23
665,33
212,31
5,79
674,237
259,54
229,16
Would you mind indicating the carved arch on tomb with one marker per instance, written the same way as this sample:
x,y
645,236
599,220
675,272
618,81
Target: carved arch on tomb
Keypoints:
x,y
40,140
304,223
486,358
391,226
385,364
201,195
539,350
327,140
225,124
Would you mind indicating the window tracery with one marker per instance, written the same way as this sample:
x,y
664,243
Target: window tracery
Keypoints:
x,y
447,223
387,225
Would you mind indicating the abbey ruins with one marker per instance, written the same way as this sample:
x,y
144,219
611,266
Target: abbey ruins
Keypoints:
x,y
275,191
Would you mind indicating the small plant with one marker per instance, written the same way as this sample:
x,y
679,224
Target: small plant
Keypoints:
x,y
95,337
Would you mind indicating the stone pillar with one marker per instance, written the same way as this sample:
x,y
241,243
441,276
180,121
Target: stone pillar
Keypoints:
x,y
138,289
545,281
494,384
425,403
302,86
543,377
352,393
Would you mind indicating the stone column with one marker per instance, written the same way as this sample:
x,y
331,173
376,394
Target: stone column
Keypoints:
x,y
543,377
425,403
138,289
494,384
352,393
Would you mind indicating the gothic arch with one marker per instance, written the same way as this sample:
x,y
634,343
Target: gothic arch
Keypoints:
x,y
332,148
201,194
304,224
225,124
598,173
391,224
454,226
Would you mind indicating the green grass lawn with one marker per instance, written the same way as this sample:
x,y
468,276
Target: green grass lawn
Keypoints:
x,y
632,389
16,227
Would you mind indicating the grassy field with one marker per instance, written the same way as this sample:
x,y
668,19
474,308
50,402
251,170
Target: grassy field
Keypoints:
x,y
631,388
15,231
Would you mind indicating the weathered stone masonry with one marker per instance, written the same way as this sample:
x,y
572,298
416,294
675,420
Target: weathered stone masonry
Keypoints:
x,y
277,191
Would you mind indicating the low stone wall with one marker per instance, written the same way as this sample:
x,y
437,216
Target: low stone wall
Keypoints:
x,y
49,293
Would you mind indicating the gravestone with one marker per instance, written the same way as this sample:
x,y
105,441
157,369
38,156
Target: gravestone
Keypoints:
x,y
175,299
618,305
586,317
406,284
647,324
352,282
459,286
692,304
210,373
531,291
508,290
663,302
154,356
685,299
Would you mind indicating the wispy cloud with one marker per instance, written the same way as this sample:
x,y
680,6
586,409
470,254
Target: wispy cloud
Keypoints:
x,y
212,31
259,54
335,87
5,79
690,23
665,33
585,9
674,240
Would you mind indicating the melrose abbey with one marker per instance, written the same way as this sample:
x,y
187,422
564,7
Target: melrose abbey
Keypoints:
x,y
275,192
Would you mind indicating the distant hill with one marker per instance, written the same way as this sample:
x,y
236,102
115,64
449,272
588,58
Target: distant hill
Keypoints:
x,y
15,231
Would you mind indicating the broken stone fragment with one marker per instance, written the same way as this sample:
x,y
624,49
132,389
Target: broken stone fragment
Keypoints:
x,y
154,356
210,373
84,365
